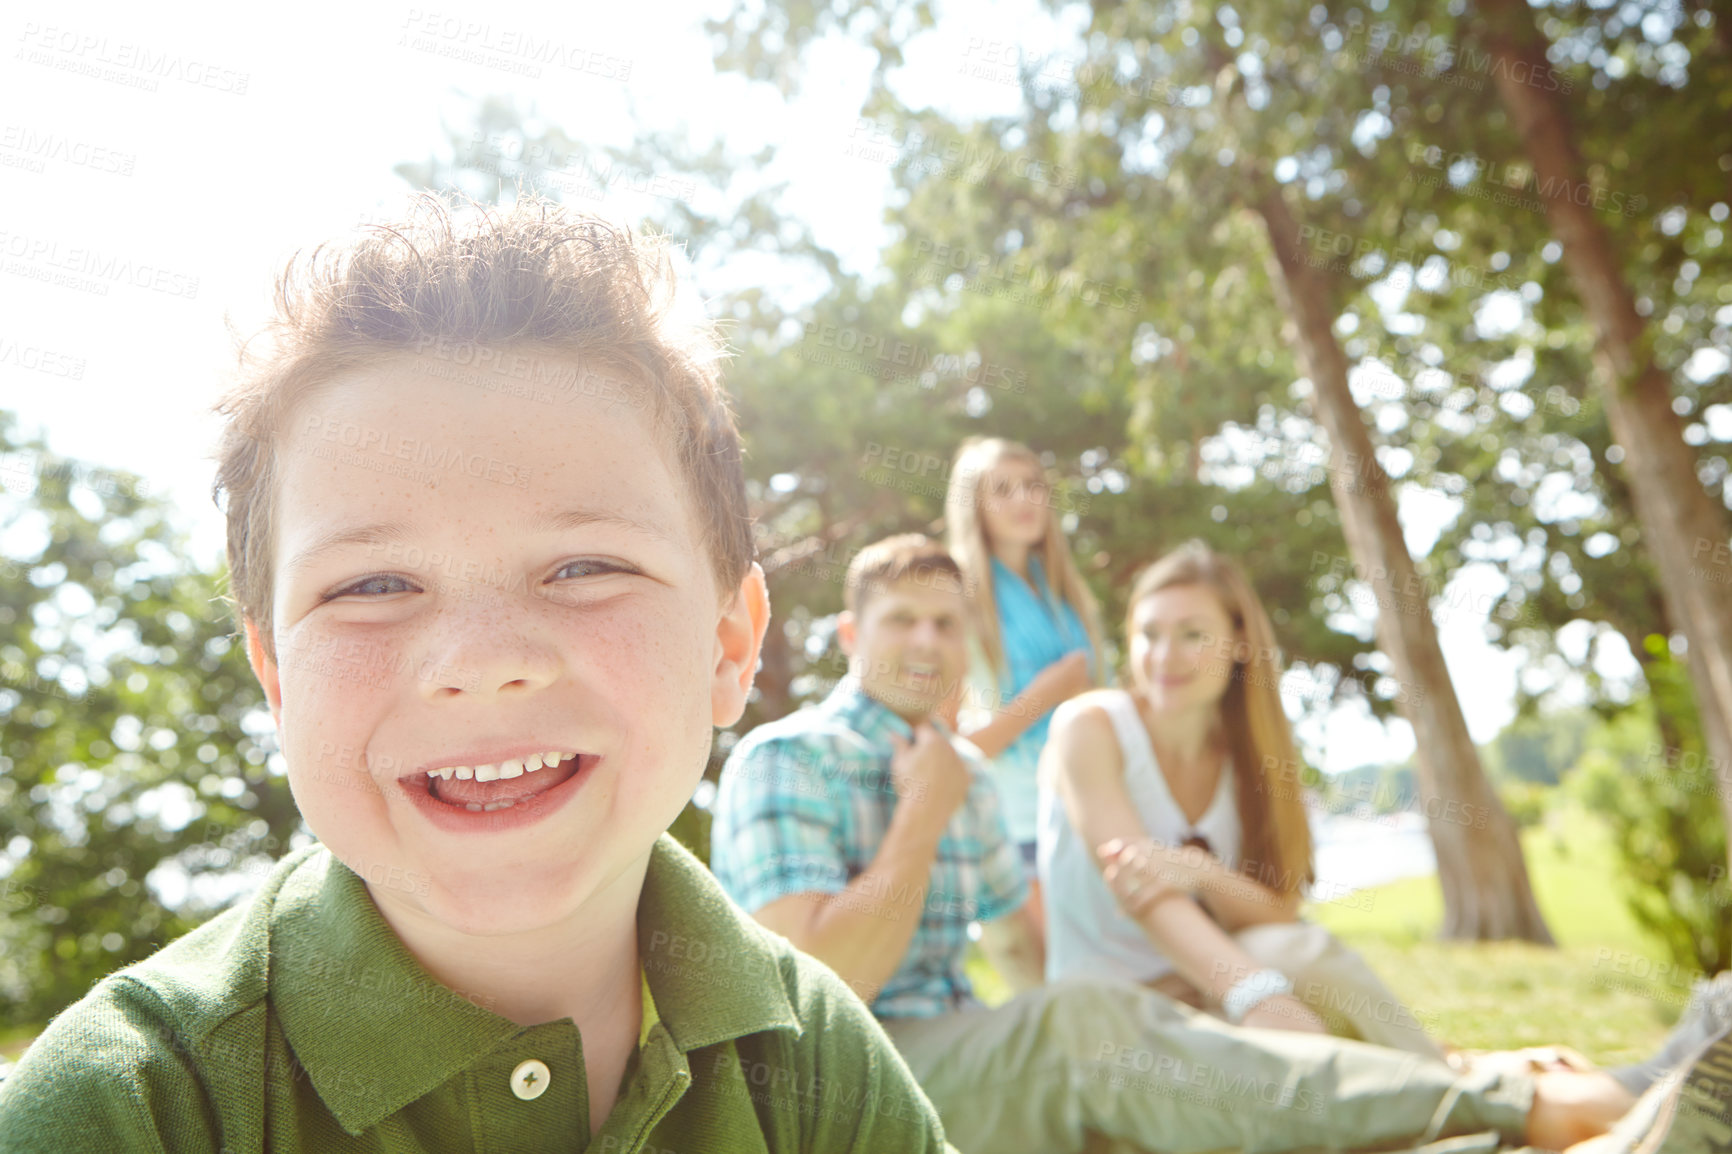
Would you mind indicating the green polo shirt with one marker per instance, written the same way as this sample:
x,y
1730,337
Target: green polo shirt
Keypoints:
x,y
298,1021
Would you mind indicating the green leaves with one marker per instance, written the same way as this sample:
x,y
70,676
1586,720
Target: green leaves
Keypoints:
x,y
136,792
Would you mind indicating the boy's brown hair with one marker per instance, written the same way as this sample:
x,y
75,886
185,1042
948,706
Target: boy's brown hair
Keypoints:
x,y
907,557
501,289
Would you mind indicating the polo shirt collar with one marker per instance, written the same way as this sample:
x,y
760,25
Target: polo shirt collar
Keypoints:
x,y
713,970
348,992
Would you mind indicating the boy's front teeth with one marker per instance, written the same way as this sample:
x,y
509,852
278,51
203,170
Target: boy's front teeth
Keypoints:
x,y
516,767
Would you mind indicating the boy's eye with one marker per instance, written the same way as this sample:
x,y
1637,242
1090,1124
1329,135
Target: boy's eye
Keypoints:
x,y
375,586
590,567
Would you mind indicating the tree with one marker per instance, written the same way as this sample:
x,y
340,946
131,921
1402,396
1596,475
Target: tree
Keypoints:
x,y
1486,891
1505,404
137,789
1686,533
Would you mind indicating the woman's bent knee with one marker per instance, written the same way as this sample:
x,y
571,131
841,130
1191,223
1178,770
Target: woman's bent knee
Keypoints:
x,y
1288,946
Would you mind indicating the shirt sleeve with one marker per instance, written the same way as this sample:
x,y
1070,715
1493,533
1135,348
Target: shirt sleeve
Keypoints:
x,y
864,1098
778,828
108,1074
1003,878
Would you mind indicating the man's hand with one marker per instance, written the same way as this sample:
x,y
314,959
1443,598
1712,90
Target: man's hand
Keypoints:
x,y
929,775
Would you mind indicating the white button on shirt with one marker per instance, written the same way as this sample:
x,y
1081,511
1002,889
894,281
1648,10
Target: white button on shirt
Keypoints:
x,y
529,1081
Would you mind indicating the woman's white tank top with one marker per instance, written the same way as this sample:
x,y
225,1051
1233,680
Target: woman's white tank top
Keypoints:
x,y
1087,934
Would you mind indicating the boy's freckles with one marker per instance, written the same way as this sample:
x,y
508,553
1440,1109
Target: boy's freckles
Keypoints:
x,y
548,586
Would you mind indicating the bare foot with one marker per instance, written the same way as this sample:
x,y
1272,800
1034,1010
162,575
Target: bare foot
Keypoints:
x,y
1572,1107
1533,1060
1604,1144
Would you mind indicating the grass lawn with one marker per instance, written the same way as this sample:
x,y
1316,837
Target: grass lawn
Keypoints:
x,y
1501,995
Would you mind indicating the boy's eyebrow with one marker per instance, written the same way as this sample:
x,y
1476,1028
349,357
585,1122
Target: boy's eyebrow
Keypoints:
x,y
395,532
578,518
378,533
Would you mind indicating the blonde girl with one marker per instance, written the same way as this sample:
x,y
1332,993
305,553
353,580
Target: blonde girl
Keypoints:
x,y
1035,625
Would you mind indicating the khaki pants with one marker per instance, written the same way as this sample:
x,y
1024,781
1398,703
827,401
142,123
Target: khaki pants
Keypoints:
x,y
1059,1068
1330,978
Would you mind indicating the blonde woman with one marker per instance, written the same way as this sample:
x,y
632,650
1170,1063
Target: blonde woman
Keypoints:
x,y
1035,625
1173,840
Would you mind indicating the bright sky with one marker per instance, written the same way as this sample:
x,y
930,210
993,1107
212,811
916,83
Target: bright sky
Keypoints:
x,y
157,166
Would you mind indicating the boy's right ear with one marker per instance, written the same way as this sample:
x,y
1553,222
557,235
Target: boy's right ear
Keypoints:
x,y
265,669
845,632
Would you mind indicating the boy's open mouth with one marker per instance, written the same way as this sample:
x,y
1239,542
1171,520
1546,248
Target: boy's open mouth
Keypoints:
x,y
486,788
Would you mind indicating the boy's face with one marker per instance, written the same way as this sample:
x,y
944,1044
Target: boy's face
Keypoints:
x,y
464,579
909,644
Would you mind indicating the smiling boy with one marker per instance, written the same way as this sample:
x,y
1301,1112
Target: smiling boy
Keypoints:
x,y
496,629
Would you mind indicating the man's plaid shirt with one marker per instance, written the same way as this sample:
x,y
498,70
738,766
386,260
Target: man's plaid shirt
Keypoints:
x,y
805,803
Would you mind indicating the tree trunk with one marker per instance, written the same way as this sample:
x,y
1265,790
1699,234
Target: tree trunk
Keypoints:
x,y
1684,529
1486,892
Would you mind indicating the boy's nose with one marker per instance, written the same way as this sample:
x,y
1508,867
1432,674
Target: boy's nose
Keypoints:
x,y
463,675
485,659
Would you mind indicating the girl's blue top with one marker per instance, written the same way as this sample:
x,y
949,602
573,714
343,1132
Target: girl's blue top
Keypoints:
x,y
1037,629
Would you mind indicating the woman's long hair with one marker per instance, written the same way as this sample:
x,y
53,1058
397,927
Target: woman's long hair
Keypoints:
x,y
968,542
1277,836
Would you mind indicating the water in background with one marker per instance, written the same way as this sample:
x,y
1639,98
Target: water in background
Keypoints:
x,y
1358,851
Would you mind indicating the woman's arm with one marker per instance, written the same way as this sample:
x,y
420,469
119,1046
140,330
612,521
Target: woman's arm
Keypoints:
x,y
1203,954
1051,687
1234,899
1084,764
